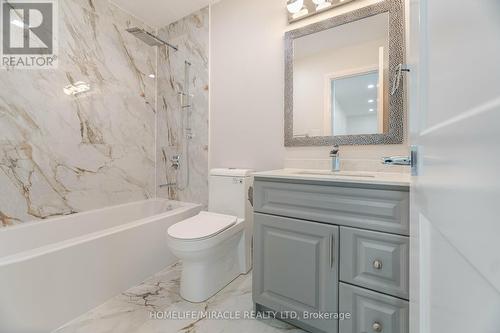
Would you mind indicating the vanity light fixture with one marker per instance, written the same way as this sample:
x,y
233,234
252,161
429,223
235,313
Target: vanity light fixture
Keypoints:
x,y
371,86
300,14
371,101
296,9
76,88
299,9
321,4
372,110
294,6
152,76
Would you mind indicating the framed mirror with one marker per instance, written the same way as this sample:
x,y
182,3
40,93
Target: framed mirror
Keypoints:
x,y
341,79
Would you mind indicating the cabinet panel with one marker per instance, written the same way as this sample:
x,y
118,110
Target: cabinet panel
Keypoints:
x,y
296,268
374,209
372,312
375,260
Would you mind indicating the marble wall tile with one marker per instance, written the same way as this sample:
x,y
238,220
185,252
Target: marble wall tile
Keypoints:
x,y
62,154
191,36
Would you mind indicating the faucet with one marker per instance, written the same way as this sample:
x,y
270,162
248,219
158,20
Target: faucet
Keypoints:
x,y
335,156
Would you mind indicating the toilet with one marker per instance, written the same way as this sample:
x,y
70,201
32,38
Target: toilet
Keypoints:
x,y
215,245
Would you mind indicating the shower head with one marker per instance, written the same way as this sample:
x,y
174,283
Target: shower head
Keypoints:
x,y
149,38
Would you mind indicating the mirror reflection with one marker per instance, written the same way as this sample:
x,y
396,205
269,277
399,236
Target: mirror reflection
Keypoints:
x,y
340,80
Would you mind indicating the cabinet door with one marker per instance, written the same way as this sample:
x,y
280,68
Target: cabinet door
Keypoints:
x,y
296,269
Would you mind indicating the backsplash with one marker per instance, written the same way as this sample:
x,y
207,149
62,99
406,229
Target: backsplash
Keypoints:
x,y
62,154
191,36
353,158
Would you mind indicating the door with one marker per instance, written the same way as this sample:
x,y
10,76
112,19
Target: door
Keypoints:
x,y
455,122
296,268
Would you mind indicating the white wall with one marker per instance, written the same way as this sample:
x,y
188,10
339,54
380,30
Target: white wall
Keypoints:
x,y
246,68
247,82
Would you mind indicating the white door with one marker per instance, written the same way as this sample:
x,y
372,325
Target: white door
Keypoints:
x,y
455,121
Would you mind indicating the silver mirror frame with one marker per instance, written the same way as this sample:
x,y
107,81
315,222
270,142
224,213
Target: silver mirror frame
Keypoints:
x,y
395,133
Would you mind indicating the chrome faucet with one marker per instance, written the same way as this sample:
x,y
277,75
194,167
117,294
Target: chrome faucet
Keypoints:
x,y
335,156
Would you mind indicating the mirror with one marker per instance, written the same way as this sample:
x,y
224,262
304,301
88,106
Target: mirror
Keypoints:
x,y
338,77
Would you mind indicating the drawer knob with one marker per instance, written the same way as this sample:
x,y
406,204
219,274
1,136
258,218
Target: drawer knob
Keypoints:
x,y
377,264
377,327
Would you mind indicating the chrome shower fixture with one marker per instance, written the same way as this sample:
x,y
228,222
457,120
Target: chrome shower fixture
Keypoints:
x,y
149,38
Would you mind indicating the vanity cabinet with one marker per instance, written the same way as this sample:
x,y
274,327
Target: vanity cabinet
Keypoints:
x,y
329,247
296,267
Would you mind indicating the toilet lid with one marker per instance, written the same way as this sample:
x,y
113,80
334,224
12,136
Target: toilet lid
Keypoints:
x,y
203,225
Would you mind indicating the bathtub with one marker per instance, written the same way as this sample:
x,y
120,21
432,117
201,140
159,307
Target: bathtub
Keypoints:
x,y
55,270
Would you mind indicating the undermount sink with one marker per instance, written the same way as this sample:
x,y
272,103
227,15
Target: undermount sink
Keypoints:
x,y
334,173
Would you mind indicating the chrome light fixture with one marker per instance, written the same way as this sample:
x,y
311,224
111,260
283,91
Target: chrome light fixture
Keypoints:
x,y
294,6
296,9
299,9
322,4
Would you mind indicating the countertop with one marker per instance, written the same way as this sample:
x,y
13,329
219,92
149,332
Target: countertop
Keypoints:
x,y
353,177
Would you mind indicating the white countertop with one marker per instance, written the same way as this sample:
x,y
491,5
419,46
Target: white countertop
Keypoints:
x,y
356,177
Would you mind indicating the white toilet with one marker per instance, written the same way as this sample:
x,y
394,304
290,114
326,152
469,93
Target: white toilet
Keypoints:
x,y
215,246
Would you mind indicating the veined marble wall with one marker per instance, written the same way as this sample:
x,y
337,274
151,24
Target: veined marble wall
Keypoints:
x,y
61,154
191,35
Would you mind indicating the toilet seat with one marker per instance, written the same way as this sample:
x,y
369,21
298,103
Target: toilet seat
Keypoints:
x,y
202,226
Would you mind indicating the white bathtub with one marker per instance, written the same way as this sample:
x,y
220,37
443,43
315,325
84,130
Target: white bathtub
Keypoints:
x,y
52,271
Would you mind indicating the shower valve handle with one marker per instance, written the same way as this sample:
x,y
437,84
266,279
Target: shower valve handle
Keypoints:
x,y
176,161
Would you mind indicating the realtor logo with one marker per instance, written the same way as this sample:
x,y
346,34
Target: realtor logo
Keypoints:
x,y
28,34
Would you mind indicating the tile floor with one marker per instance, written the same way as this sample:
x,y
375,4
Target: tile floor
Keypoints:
x,y
142,309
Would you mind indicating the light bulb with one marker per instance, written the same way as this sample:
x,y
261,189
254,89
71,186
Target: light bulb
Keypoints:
x,y
294,6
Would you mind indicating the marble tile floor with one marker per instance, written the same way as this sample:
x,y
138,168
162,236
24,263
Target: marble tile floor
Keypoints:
x,y
142,309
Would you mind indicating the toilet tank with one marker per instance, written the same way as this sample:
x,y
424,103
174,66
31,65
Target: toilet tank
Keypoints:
x,y
229,191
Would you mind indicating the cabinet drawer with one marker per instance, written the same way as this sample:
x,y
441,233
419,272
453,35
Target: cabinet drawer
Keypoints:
x,y
375,260
374,209
372,312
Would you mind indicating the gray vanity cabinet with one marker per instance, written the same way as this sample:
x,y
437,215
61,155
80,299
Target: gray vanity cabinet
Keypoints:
x,y
296,268
330,247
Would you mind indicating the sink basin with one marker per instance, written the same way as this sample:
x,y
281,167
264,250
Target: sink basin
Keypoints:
x,y
334,173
